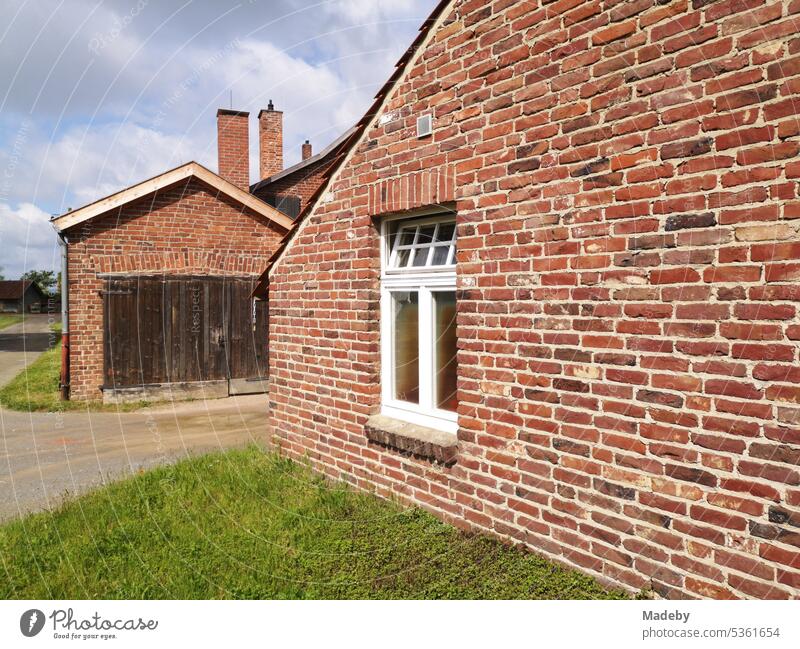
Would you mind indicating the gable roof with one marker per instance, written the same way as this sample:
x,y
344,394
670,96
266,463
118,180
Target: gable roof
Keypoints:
x,y
190,169
14,289
352,137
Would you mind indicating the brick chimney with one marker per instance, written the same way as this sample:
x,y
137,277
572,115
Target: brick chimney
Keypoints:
x,y
270,141
307,150
233,146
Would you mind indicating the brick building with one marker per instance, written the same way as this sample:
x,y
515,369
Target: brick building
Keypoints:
x,y
291,189
159,277
564,309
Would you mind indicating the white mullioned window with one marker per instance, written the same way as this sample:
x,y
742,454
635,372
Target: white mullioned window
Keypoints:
x,y
418,320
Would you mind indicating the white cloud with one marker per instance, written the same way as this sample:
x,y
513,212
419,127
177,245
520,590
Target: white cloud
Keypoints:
x,y
94,161
106,102
86,162
27,240
317,103
363,11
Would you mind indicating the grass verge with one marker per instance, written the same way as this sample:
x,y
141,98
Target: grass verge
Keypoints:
x,y
248,524
35,389
6,320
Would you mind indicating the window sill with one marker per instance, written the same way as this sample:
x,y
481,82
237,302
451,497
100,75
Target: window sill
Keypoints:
x,y
419,441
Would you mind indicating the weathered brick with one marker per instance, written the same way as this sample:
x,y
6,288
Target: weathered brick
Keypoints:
x,y
686,221
686,149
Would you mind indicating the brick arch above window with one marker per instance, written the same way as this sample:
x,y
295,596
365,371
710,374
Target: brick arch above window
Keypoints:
x,y
413,191
181,262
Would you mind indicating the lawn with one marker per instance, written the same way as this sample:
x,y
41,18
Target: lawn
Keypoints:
x,y
249,524
8,319
36,388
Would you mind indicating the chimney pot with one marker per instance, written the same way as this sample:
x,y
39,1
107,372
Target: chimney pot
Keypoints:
x,y
233,146
307,153
270,140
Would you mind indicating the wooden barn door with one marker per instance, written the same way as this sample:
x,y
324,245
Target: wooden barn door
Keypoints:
x,y
183,330
248,358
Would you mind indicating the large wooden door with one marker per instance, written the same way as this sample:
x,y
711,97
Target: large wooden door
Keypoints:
x,y
161,330
248,331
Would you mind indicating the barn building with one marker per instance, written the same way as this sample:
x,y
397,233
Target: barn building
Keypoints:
x,y
159,276
549,290
21,296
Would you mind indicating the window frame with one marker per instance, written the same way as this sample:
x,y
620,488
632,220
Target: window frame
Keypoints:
x,y
426,280
391,252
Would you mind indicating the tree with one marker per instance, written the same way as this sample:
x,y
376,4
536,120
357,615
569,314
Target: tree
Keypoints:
x,y
46,279
2,277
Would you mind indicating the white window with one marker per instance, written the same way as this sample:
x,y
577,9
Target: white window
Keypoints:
x,y
418,321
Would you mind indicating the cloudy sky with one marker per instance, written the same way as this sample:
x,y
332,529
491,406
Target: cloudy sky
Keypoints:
x,y
98,94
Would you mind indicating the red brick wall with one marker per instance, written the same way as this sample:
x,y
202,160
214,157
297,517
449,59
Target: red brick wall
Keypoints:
x,y
184,229
626,179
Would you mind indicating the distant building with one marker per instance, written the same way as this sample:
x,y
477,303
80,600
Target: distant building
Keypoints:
x,y
22,296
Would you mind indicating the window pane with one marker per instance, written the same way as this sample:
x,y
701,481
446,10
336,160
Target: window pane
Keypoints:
x,y
407,236
426,234
446,231
440,254
405,307
402,258
421,257
445,350
394,235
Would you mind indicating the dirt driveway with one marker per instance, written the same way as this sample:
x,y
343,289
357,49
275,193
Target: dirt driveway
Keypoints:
x,y
44,456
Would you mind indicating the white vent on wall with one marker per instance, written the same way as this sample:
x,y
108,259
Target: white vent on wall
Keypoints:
x,y
424,126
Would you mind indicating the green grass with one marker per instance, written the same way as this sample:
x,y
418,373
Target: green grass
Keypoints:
x,y
35,389
6,319
248,524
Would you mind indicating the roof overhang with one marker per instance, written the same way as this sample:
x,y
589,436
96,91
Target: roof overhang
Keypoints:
x,y
69,220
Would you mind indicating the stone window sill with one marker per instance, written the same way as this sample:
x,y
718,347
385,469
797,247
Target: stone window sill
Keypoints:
x,y
419,441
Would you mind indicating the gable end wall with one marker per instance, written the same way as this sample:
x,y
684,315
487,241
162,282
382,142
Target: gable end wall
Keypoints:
x,y
626,180
186,229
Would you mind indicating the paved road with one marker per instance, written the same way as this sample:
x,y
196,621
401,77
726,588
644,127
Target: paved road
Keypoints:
x,y
44,456
21,344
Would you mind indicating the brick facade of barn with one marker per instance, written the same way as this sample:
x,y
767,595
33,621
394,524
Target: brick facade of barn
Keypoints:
x,y
625,177
187,229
